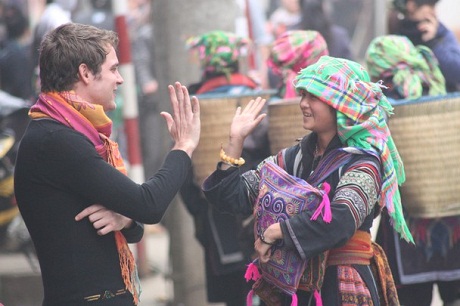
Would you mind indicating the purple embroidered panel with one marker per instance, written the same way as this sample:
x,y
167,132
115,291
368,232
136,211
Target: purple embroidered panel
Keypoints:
x,y
281,196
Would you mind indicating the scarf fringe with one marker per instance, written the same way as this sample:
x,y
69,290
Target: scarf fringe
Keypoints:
x,y
128,267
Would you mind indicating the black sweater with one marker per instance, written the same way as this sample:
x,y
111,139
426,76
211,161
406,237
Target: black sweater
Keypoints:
x,y
59,173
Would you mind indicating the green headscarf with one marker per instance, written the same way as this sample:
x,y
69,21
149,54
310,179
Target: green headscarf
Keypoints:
x,y
362,109
410,68
218,51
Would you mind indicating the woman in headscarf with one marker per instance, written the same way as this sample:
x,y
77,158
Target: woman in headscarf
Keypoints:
x,y
409,71
291,52
351,157
219,53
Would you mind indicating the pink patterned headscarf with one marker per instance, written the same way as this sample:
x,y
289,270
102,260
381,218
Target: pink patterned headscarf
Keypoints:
x,y
293,51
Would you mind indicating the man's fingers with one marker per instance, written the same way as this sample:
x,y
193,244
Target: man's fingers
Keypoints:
x,y
179,92
104,231
196,106
169,120
174,99
88,211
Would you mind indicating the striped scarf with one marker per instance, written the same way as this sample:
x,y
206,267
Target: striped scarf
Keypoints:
x,y
90,120
292,51
361,121
410,68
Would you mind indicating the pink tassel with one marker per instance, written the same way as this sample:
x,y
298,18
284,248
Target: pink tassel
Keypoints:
x,y
325,204
249,298
252,273
294,300
319,301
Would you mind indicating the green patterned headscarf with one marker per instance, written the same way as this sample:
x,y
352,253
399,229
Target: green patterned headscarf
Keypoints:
x,y
218,51
410,68
361,112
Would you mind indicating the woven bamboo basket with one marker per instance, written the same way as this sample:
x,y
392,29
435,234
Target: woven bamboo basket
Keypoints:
x,y
216,113
427,134
285,124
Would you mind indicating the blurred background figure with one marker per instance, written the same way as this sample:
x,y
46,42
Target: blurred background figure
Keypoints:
x,y
291,52
408,71
418,20
284,18
251,22
315,16
16,67
143,45
99,15
219,54
15,99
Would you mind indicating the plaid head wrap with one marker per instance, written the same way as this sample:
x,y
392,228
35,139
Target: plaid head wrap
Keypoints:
x,y
410,67
218,50
361,111
292,51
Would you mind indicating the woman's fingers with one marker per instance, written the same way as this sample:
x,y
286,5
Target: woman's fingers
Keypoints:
x,y
263,250
255,106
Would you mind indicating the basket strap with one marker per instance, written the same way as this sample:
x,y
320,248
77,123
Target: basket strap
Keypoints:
x,y
328,164
235,79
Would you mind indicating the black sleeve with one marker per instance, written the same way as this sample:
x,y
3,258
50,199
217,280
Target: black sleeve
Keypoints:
x,y
226,191
134,233
68,159
192,196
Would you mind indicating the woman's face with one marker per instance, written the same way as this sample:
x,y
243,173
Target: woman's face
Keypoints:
x,y
317,115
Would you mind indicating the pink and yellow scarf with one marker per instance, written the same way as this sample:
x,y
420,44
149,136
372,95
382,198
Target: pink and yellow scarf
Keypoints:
x,y
90,119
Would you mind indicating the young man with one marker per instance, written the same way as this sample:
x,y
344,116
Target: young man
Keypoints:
x,y
70,183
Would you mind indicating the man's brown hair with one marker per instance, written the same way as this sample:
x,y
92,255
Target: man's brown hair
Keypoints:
x,y
64,49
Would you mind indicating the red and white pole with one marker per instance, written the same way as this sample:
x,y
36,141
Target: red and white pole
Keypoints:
x,y
130,109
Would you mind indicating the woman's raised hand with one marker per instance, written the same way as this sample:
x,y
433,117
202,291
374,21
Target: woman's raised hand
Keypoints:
x,y
184,126
245,120
243,123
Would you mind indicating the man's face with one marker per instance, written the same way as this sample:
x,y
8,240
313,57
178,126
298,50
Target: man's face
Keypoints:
x,y
419,13
103,86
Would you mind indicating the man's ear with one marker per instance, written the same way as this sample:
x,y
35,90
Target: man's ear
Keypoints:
x,y
84,73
